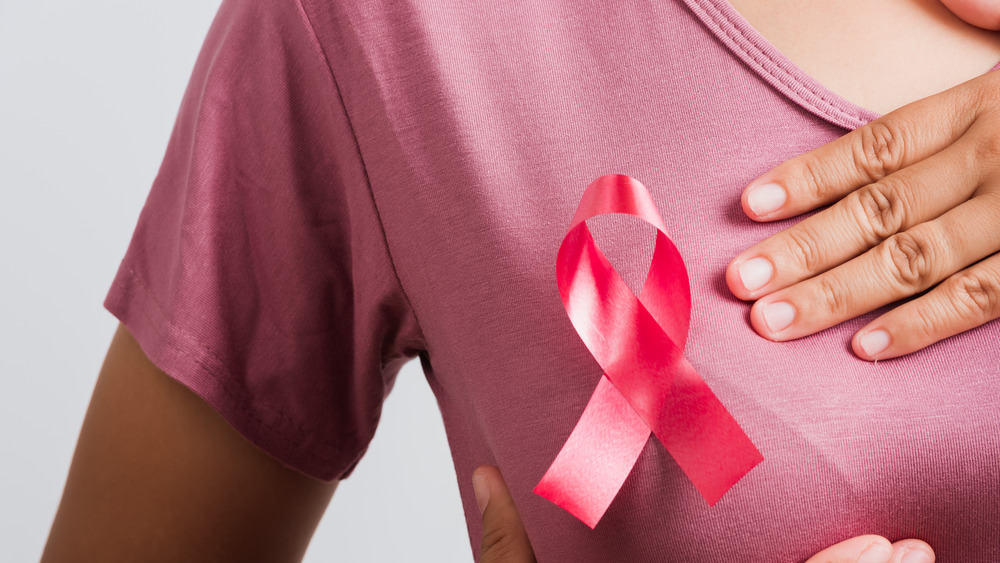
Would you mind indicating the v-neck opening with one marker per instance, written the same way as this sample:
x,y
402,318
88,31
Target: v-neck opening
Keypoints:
x,y
736,33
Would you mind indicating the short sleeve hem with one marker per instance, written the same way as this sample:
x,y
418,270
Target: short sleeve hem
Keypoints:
x,y
194,365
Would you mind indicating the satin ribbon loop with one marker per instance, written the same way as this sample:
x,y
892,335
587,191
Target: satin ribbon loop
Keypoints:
x,y
648,385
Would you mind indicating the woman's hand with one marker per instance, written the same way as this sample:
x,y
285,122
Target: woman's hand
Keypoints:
x,y
506,541
875,549
980,13
504,537
916,206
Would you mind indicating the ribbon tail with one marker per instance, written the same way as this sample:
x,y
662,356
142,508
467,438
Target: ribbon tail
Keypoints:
x,y
598,456
703,437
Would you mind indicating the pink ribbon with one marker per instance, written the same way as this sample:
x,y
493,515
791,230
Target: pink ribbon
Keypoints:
x,y
648,385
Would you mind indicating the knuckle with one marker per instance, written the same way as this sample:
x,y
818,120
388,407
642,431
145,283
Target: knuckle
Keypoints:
x,y
879,151
812,184
834,296
978,292
988,93
497,545
925,325
879,211
804,249
910,258
988,149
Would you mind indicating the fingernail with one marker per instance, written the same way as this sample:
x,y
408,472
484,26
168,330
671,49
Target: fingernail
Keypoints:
x,y
766,198
755,273
777,316
878,553
874,342
482,489
917,556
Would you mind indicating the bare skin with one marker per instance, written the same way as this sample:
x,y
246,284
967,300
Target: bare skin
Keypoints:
x,y
158,475
930,166
849,47
980,13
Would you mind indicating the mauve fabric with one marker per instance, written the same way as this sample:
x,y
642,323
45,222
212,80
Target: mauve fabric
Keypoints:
x,y
350,185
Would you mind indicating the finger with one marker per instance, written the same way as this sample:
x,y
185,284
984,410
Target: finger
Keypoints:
x,y
911,551
965,300
504,537
873,549
905,264
865,155
980,13
861,220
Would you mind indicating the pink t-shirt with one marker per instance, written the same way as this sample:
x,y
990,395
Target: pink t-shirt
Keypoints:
x,y
353,184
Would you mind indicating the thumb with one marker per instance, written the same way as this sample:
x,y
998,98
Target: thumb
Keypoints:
x,y
504,537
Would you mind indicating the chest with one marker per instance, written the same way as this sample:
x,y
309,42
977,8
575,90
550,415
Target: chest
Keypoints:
x,y
879,55
479,139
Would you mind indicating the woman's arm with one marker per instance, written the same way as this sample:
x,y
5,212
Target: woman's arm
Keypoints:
x,y
158,475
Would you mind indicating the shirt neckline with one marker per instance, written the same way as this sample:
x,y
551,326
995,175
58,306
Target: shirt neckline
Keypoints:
x,y
736,33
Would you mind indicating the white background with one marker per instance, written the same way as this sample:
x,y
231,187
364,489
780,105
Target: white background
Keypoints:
x,y
88,96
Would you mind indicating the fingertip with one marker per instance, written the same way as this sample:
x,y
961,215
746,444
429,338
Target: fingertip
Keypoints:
x,y
912,551
757,321
748,210
745,203
764,201
872,344
878,550
860,549
866,343
749,278
858,350
733,281
491,474
481,487
491,486
777,318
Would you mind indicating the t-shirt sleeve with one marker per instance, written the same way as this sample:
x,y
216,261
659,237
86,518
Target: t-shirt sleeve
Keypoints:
x,y
258,273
